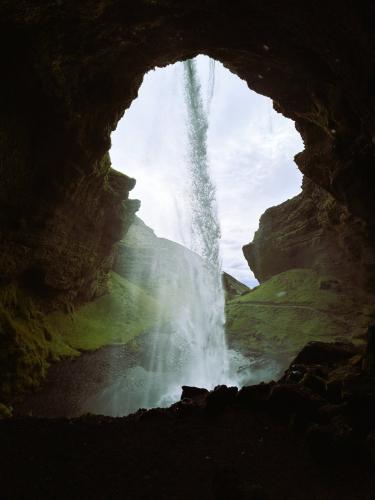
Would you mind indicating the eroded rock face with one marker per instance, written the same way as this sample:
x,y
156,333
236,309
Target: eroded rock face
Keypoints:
x,y
313,231
62,247
69,70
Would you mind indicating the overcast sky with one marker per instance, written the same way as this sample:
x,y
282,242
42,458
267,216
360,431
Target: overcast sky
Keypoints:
x,y
250,147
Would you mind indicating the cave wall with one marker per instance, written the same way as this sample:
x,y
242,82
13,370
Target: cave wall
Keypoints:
x,y
70,69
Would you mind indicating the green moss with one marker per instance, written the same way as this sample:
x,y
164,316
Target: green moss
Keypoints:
x,y
29,340
117,317
24,350
300,286
289,310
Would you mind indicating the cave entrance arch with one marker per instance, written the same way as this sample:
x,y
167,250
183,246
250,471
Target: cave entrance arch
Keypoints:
x,y
69,93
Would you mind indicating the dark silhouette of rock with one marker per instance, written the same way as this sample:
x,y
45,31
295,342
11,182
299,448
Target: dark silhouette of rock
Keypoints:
x,y
369,359
315,383
194,394
254,396
325,353
286,399
221,397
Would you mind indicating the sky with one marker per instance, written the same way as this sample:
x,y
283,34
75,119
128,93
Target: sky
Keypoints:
x,y
250,148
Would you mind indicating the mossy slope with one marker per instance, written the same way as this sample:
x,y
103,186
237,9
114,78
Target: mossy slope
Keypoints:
x,y
294,307
30,340
117,317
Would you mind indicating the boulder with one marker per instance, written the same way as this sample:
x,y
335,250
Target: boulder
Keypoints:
x,y
195,395
221,397
254,396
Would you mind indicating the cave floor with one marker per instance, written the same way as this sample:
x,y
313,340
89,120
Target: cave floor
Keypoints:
x,y
176,453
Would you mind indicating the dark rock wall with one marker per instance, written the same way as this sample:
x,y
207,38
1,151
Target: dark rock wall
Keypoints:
x,y
70,69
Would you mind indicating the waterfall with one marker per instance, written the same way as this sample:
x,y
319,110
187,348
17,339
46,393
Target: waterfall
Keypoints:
x,y
191,348
187,344
211,83
204,221
205,231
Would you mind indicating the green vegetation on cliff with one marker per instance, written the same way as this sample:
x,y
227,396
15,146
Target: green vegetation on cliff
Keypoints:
x,y
117,317
30,340
295,307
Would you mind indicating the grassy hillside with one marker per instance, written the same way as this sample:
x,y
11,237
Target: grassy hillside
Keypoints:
x,y
30,340
117,317
280,316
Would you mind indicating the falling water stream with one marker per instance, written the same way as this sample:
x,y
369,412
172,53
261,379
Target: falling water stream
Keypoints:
x,y
194,352
187,346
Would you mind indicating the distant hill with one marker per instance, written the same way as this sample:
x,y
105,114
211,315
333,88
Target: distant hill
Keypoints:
x,y
151,262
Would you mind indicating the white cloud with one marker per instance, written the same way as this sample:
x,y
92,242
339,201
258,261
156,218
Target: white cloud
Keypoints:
x,y
251,149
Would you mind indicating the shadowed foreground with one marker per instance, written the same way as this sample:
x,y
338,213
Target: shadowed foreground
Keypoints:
x,y
309,436
169,454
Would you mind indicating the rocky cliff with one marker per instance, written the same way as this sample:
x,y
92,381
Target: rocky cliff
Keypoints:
x,y
313,231
315,263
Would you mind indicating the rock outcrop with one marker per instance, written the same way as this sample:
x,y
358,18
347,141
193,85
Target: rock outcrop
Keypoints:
x,y
233,287
61,249
313,231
